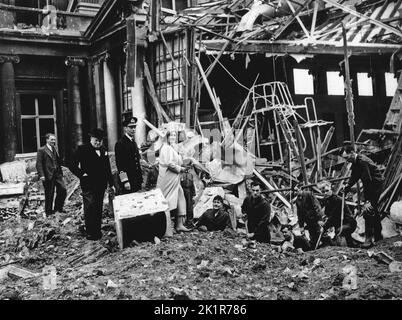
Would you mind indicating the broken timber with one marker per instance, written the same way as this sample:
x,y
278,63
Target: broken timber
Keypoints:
x,y
270,187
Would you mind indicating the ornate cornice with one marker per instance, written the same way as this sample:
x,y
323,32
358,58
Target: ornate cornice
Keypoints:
x,y
9,58
99,58
75,61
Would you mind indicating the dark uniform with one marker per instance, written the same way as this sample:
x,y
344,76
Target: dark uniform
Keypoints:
x,y
215,220
258,211
367,171
128,160
309,214
333,211
94,173
48,165
187,184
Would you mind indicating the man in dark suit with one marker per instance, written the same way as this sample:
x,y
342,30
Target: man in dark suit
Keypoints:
x,y
257,211
48,165
91,164
367,171
128,157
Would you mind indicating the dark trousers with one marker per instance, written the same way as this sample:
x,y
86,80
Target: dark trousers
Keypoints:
x,y
93,206
372,223
189,204
261,232
314,231
347,229
56,183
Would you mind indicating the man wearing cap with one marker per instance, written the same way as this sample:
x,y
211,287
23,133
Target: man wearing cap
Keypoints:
x,y
91,165
48,165
367,171
128,158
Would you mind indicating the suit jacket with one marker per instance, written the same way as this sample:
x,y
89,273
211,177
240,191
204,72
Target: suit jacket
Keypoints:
x,y
333,211
97,168
258,212
128,160
48,164
215,223
365,169
308,209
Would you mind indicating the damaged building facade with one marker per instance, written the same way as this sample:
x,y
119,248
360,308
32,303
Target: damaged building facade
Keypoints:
x,y
80,64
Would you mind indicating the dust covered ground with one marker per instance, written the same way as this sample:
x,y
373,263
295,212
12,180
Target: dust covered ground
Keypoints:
x,y
196,265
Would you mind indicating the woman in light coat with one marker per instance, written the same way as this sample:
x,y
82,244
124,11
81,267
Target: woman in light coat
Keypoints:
x,y
170,166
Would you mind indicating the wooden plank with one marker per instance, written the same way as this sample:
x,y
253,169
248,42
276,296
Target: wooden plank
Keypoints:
x,y
270,187
152,93
301,153
211,94
357,14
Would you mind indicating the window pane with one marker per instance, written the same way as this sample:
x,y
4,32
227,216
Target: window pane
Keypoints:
x,y
28,135
45,126
181,4
390,84
303,81
27,104
167,4
45,104
335,83
364,84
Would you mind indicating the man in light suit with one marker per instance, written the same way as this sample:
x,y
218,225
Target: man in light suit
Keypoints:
x,y
48,165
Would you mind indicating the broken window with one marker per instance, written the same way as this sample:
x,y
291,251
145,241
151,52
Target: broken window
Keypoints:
x,y
390,84
176,5
335,83
38,117
364,84
303,81
168,75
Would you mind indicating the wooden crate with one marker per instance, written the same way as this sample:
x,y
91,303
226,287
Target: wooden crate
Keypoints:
x,y
140,216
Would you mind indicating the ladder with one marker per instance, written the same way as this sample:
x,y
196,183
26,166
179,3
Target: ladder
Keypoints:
x,y
393,119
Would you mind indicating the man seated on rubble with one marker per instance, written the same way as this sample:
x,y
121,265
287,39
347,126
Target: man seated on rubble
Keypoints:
x,y
257,211
344,224
215,219
310,216
292,241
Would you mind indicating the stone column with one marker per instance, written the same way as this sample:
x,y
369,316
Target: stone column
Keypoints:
x,y
74,103
8,107
137,95
110,105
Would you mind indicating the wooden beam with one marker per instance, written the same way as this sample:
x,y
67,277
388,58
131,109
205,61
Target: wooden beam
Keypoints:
x,y
211,95
291,19
298,18
348,89
152,93
357,14
270,187
316,3
294,46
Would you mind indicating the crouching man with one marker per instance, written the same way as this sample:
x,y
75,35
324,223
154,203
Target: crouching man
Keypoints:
x,y
310,216
344,224
215,219
257,211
